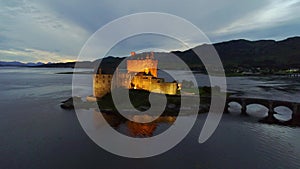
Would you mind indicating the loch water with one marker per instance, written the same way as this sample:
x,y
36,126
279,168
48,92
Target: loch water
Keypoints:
x,y
37,133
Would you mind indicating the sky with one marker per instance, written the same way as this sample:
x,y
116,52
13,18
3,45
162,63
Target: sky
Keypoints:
x,y
56,30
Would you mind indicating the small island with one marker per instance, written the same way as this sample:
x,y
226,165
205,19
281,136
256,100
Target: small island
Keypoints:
x,y
140,79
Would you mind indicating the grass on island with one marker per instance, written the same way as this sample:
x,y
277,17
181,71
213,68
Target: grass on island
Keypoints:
x,y
139,99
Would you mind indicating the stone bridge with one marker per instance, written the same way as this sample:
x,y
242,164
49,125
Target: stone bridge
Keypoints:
x,y
270,104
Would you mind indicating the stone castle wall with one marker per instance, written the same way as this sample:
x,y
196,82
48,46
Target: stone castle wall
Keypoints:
x,y
123,80
101,84
156,85
166,88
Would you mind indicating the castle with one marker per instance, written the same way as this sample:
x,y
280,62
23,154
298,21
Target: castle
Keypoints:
x,y
140,74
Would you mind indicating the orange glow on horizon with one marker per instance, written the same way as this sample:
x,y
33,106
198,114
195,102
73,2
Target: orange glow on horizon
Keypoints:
x,y
69,60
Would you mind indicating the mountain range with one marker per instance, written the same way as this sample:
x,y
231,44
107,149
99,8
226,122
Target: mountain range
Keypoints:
x,y
20,64
234,53
262,53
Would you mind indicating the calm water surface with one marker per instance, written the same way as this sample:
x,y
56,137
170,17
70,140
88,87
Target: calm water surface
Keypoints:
x,y
36,133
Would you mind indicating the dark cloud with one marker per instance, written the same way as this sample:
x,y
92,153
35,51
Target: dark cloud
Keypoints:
x,y
64,26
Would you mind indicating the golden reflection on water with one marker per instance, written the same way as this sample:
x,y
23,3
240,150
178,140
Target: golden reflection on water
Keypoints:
x,y
140,129
133,129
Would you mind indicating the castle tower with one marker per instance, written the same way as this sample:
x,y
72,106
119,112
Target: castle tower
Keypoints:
x,y
149,64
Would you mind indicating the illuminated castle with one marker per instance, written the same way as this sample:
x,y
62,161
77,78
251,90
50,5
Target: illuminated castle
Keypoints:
x,y
140,74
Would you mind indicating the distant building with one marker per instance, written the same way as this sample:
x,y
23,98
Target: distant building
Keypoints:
x,y
140,74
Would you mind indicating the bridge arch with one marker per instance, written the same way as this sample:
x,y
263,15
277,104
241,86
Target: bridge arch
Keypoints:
x,y
264,103
234,107
283,113
257,110
285,104
271,105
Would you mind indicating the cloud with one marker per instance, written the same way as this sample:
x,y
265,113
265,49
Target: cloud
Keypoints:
x,y
275,13
34,55
146,42
30,25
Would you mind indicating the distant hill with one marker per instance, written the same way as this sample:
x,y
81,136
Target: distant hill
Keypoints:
x,y
265,53
234,53
262,53
18,64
